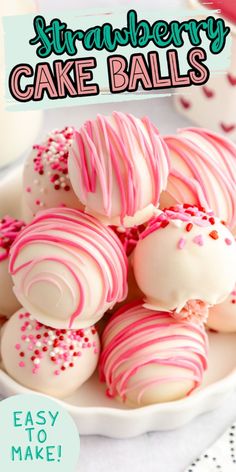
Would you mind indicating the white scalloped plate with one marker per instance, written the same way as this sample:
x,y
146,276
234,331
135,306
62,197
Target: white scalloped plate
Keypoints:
x,y
94,412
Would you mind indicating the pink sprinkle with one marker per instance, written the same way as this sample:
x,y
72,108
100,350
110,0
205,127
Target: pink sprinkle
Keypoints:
x,y
28,189
57,372
228,241
198,240
181,243
17,346
234,292
21,364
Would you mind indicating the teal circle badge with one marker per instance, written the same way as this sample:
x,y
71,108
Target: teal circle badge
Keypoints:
x,y
37,434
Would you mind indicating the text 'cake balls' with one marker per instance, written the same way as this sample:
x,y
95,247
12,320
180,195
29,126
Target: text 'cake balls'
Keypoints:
x,y
68,268
203,172
185,254
51,361
118,166
148,357
9,230
46,183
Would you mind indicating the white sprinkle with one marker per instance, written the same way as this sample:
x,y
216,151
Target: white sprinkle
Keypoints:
x,y
38,344
37,361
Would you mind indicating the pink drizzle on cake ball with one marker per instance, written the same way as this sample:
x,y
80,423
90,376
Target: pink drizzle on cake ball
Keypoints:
x,y
148,357
203,172
68,260
46,180
118,167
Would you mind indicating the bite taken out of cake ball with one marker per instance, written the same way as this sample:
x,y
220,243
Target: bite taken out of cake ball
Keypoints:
x,y
118,166
185,255
222,317
9,230
52,361
46,183
147,357
68,268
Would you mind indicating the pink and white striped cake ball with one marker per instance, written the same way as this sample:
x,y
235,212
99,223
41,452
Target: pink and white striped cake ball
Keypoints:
x,y
118,166
68,268
147,357
203,172
186,255
51,361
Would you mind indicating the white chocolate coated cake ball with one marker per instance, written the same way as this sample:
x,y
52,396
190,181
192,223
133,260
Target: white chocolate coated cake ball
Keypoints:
x,y
185,254
68,268
147,357
51,361
118,166
46,183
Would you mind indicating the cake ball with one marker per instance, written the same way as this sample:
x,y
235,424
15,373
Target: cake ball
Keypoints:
x,y
52,361
46,183
203,172
118,166
68,268
222,317
9,230
147,357
185,255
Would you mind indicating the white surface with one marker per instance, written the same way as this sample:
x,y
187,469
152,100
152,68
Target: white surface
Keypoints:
x,y
152,452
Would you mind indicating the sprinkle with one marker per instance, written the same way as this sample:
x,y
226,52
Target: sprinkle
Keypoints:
x,y
228,241
198,240
17,346
214,234
21,364
189,227
181,243
164,223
